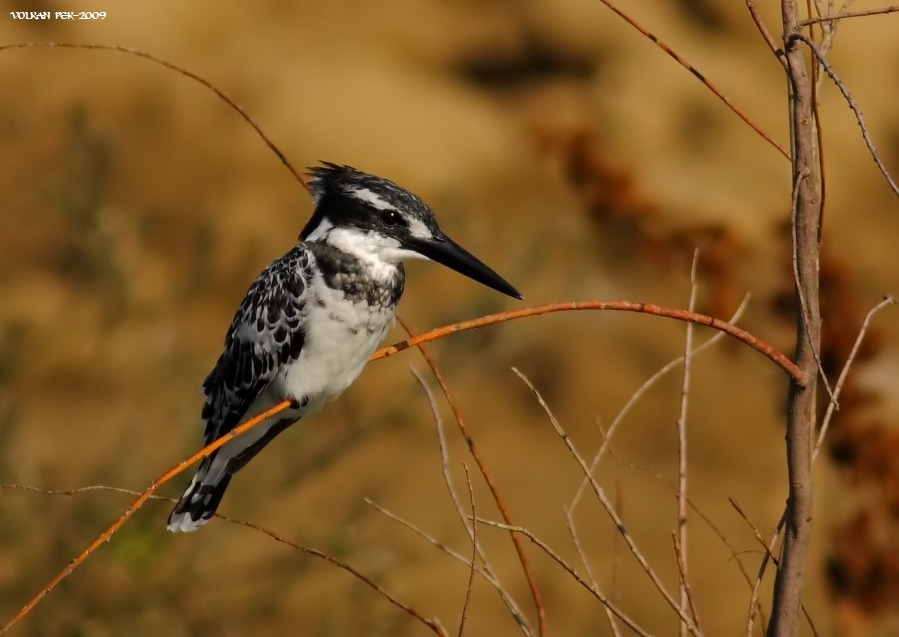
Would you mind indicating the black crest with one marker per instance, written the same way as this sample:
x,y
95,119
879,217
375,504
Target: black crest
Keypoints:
x,y
348,197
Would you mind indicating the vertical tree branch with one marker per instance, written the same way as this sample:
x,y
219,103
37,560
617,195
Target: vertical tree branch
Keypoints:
x,y
786,605
680,539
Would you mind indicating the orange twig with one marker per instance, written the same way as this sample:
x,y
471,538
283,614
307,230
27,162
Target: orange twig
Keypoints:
x,y
622,306
138,503
625,306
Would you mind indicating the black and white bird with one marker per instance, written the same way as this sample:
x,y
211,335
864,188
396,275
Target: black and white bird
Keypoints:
x,y
311,319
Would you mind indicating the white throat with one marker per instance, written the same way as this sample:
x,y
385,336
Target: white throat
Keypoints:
x,y
369,247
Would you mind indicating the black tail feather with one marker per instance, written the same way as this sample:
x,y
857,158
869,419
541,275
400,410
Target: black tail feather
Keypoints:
x,y
197,505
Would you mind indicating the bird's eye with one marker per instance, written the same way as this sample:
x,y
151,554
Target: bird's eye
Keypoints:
x,y
390,217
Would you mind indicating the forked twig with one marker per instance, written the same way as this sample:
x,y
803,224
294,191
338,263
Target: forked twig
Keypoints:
x,y
848,14
609,508
488,572
822,59
483,571
696,509
834,404
635,397
491,485
558,559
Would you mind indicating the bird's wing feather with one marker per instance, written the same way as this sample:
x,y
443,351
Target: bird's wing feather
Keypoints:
x,y
267,333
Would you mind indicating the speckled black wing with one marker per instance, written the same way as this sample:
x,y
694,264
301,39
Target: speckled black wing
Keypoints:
x,y
267,333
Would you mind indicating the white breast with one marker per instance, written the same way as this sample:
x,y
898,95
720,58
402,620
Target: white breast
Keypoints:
x,y
340,338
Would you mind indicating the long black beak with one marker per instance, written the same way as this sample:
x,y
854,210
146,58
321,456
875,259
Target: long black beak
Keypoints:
x,y
447,252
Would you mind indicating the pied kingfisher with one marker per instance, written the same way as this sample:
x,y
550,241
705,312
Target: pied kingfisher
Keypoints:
x,y
312,319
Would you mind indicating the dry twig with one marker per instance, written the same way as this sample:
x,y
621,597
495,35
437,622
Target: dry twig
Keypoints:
x,y
486,571
491,485
833,17
474,552
856,110
558,559
681,537
834,404
635,397
801,398
610,510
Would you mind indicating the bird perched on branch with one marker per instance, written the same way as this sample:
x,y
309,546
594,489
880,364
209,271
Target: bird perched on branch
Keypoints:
x,y
312,319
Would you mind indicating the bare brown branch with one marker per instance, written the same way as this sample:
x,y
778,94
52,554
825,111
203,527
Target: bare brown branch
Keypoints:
x,y
788,585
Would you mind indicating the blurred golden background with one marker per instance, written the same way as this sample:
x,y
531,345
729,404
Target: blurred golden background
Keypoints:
x,y
554,142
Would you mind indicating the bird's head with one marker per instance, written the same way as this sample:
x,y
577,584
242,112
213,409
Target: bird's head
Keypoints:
x,y
374,218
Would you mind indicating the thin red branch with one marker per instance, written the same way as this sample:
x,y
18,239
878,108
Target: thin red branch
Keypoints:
x,y
174,67
695,72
